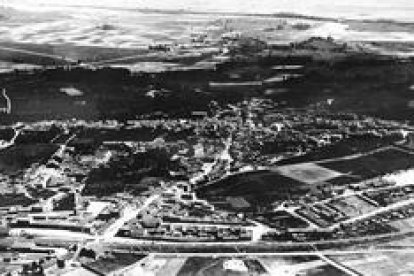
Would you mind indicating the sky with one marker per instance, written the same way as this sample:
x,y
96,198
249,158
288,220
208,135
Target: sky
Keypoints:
x,y
392,9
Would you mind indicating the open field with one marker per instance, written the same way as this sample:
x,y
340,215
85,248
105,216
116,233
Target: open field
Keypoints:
x,y
309,173
213,266
403,225
345,147
379,264
288,181
372,165
310,266
110,28
171,266
259,188
235,266
113,262
375,263
132,26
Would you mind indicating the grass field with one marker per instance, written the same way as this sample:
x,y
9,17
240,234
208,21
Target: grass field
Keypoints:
x,y
114,262
309,173
259,188
309,266
372,165
379,264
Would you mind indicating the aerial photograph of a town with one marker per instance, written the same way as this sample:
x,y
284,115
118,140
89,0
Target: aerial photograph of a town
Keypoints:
x,y
207,138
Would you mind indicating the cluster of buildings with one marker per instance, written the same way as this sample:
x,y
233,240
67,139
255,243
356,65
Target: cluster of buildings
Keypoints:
x,y
391,195
264,134
47,196
178,215
381,223
48,199
367,213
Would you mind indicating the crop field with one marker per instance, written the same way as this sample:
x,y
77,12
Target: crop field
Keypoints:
x,y
379,264
373,165
309,173
300,265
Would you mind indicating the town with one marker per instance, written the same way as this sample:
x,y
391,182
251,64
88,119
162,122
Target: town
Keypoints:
x,y
138,141
303,177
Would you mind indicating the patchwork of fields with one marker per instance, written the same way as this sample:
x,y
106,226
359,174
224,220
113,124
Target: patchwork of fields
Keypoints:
x,y
285,182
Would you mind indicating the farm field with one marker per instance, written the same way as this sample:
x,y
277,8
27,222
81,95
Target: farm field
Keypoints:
x,y
258,188
373,165
309,173
379,264
300,265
